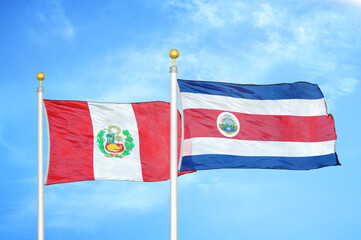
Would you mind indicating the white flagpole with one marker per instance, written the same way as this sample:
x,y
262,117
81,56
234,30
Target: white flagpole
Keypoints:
x,y
173,148
40,76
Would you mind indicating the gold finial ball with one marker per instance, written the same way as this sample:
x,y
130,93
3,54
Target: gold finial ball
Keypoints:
x,y
40,76
173,53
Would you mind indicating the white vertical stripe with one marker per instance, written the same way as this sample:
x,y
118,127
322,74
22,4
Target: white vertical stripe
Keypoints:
x,y
203,145
128,168
294,107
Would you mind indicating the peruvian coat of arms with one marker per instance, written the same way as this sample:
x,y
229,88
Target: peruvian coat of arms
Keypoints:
x,y
114,142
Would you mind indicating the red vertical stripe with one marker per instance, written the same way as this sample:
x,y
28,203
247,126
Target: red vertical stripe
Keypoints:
x,y
71,142
153,120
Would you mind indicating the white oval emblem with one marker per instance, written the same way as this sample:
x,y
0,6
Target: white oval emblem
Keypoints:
x,y
228,124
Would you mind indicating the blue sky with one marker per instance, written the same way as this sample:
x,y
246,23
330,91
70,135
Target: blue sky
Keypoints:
x,y
118,51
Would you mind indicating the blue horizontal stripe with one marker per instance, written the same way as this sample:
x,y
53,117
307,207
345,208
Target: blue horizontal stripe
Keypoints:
x,y
298,90
216,161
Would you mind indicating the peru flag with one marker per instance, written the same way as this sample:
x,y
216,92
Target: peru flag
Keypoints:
x,y
280,126
108,141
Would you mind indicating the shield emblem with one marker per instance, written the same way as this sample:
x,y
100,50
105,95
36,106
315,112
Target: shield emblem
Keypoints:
x,y
115,143
114,147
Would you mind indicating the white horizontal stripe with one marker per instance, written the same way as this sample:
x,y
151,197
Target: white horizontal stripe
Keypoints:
x,y
199,146
294,107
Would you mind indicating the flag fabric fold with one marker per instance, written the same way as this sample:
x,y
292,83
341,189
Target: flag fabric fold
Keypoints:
x,y
281,126
108,141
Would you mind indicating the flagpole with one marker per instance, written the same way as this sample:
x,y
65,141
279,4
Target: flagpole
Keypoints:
x,y
173,148
40,76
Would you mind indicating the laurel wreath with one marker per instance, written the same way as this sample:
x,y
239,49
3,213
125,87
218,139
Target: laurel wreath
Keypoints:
x,y
128,144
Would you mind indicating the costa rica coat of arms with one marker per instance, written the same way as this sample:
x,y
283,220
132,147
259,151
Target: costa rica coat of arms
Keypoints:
x,y
114,142
228,124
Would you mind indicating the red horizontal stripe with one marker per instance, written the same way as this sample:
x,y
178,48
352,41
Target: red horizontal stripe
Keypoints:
x,y
71,142
203,123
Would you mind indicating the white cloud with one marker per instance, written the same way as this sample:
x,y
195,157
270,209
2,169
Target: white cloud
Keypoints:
x,y
13,150
338,87
348,85
53,22
306,41
139,75
84,205
212,185
267,16
313,43
352,2
211,13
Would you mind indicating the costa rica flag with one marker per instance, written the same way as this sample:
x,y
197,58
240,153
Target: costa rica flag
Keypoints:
x,y
280,126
